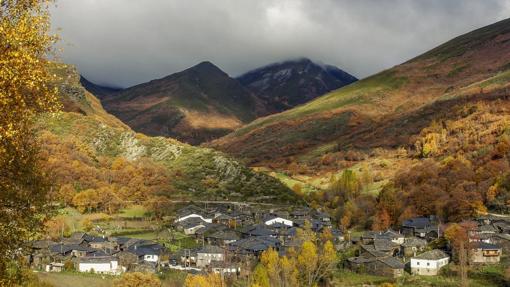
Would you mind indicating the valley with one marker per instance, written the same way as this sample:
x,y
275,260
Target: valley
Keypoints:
x,y
293,173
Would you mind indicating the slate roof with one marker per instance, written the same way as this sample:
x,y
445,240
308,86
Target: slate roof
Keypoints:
x,y
384,245
361,260
417,222
392,262
211,249
142,250
254,244
487,228
210,228
486,246
414,242
224,235
66,248
97,259
435,254
371,250
388,235
258,230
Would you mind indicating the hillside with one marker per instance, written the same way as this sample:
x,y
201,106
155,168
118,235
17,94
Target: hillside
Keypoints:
x,y
429,136
101,92
349,115
291,83
85,148
195,105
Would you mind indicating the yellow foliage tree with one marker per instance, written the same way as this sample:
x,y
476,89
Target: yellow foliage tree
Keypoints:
x,y
260,277
270,259
314,264
137,279
209,280
25,91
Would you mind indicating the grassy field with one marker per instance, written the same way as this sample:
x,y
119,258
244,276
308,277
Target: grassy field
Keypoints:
x,y
168,279
484,276
76,280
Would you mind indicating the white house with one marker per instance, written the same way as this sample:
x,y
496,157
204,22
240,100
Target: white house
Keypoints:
x,y
208,254
100,264
429,263
276,219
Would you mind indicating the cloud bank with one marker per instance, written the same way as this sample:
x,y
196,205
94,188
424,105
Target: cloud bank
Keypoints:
x,y
126,42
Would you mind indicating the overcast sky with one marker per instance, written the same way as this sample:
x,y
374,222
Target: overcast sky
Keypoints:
x,y
126,42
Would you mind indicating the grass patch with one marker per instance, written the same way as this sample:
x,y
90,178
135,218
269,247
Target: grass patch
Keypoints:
x,y
292,182
360,92
348,278
76,279
135,211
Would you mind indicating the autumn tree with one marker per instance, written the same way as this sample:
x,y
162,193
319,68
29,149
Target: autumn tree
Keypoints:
x,y
207,280
307,266
137,279
315,264
25,92
260,276
348,185
57,227
382,220
271,260
458,236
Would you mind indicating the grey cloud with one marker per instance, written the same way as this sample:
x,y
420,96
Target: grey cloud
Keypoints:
x,y
125,42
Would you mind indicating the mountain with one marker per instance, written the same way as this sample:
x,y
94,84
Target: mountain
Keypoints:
x,y
85,148
291,83
383,110
196,105
428,136
100,92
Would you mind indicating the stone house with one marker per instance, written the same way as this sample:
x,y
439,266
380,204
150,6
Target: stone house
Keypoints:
x,y
382,266
208,254
412,246
422,227
485,253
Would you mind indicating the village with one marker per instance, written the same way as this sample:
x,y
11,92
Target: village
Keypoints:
x,y
229,240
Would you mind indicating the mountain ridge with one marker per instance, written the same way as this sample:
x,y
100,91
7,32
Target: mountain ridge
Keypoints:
x,y
286,84
402,89
194,105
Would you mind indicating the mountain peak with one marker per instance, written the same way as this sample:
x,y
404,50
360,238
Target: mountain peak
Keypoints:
x,y
293,82
206,66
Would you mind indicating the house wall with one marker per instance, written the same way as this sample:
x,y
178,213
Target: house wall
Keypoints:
x,y
204,259
480,256
192,230
398,240
103,267
427,267
381,269
151,258
279,220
